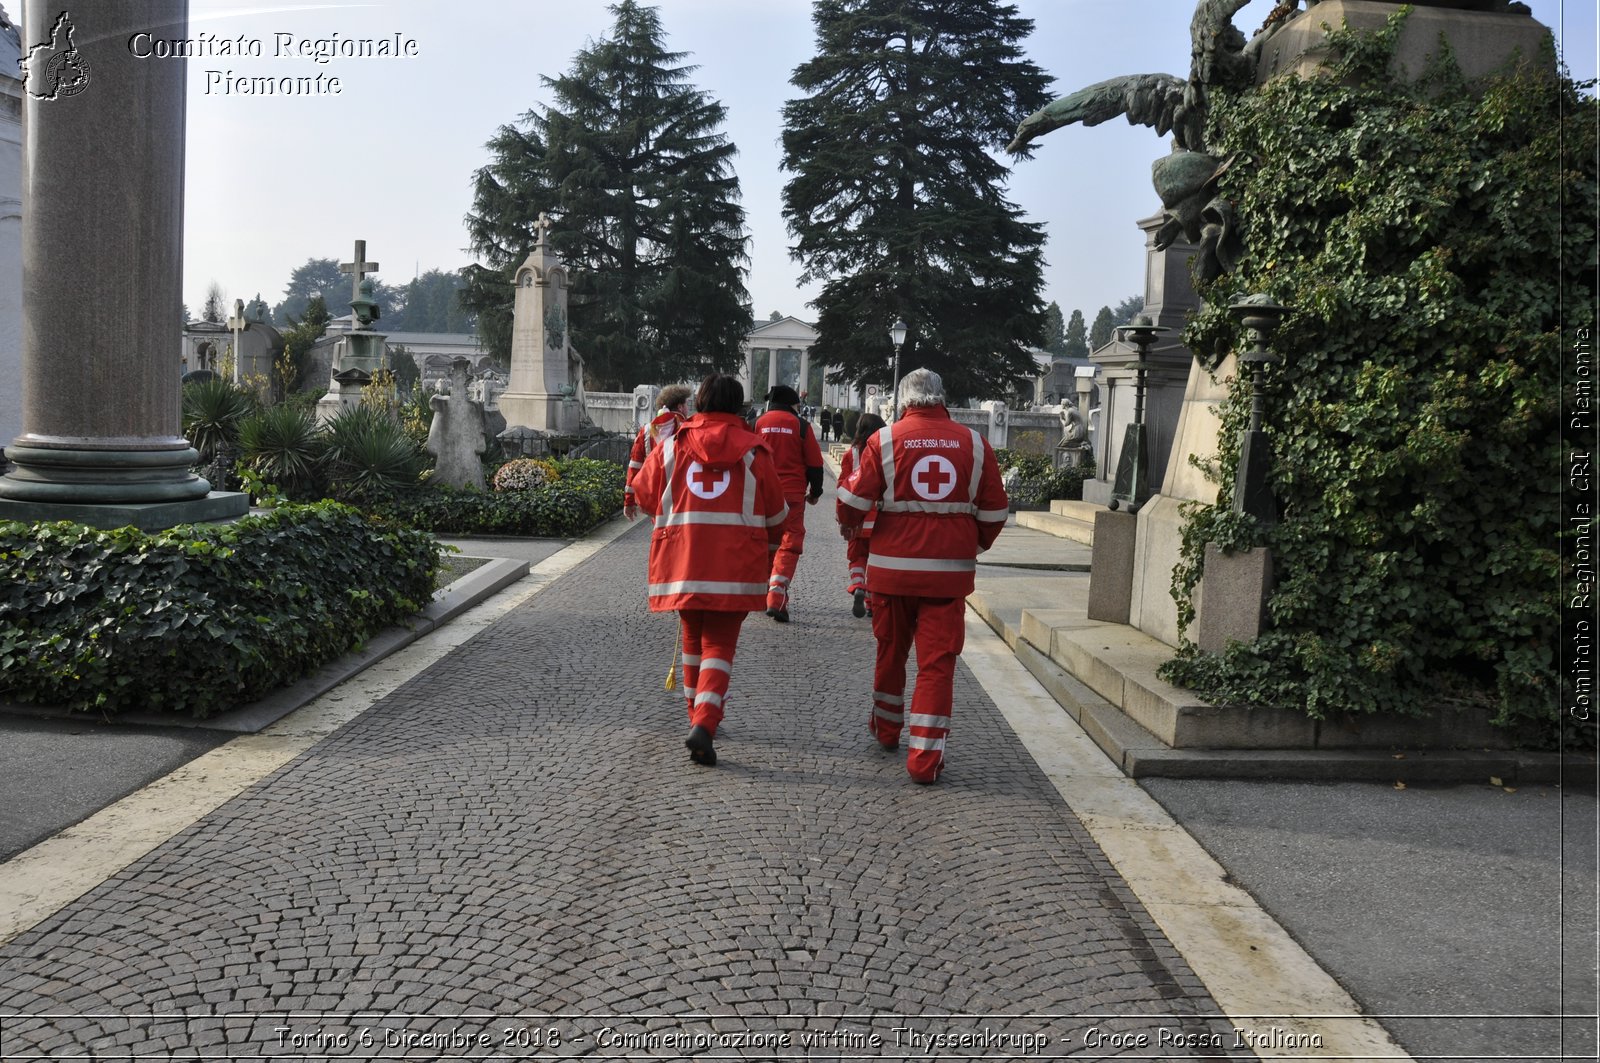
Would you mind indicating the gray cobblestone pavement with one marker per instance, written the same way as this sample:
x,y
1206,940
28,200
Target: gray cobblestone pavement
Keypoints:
x,y
515,842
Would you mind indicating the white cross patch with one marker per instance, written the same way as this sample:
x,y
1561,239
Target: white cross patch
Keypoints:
x,y
933,477
707,490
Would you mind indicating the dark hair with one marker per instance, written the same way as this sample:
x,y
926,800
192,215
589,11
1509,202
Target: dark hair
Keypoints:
x,y
783,395
719,393
869,425
673,396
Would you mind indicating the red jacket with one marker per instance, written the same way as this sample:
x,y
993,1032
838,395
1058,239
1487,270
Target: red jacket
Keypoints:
x,y
794,452
719,512
650,436
941,503
847,471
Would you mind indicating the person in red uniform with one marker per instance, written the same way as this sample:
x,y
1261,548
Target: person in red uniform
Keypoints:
x,y
674,401
940,503
719,509
858,537
799,462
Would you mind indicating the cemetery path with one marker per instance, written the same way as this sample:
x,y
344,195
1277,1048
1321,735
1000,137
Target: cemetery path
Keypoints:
x,y
510,856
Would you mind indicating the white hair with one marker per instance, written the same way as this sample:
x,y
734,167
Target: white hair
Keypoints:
x,y
921,387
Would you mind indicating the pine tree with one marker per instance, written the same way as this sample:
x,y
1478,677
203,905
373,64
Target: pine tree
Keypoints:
x,y
1103,331
213,311
1055,329
638,180
1126,310
896,202
1076,343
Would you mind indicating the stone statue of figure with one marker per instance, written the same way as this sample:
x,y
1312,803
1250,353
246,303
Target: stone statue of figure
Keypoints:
x,y
256,310
456,437
1073,429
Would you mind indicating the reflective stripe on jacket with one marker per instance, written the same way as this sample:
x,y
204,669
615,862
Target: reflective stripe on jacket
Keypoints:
x,y
940,503
717,504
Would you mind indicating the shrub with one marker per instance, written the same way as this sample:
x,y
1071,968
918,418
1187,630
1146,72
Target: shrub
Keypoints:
x,y
1429,242
369,456
282,447
587,492
522,474
213,411
200,618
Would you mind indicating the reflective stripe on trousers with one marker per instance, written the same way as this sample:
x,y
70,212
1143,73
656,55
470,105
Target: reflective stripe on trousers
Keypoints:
x,y
709,639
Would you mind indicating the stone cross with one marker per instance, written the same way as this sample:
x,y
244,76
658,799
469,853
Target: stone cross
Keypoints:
x,y
236,323
543,225
358,269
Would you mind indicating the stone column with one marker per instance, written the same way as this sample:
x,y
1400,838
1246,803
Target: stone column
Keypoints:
x,y
772,368
102,268
805,373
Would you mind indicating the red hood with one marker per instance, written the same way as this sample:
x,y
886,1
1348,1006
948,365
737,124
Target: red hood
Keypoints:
x,y
715,438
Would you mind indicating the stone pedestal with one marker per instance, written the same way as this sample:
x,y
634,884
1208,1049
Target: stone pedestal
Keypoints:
x,y
543,394
1111,567
1169,298
1233,597
102,265
357,357
1482,42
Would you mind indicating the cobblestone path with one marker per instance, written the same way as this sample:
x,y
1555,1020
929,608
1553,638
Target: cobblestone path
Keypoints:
x,y
512,857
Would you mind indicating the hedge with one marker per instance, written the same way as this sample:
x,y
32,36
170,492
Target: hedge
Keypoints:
x,y
588,492
200,618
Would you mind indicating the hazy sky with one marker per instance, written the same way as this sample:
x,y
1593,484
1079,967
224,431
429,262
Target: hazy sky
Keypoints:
x,y
274,180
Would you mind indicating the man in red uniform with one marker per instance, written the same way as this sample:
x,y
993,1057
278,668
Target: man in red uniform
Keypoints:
x,y
798,459
940,503
718,506
674,400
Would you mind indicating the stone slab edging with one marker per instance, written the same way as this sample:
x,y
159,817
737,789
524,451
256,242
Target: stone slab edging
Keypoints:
x,y
1265,983
1120,704
40,881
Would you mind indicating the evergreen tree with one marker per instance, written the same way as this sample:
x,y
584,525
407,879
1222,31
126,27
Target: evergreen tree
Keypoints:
x,y
213,311
630,163
1126,310
1076,343
1103,331
298,339
896,201
1055,329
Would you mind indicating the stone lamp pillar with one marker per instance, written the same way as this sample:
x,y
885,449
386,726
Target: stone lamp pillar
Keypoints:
x,y
1132,486
102,267
1231,605
1251,494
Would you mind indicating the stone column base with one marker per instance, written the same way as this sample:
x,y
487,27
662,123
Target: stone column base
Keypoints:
x,y
146,516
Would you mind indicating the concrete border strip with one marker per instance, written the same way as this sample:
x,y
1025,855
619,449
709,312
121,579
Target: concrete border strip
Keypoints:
x,y
40,881
1259,976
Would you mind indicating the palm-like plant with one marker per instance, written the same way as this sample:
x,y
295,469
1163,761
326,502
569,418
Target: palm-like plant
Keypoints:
x,y
282,446
213,411
369,456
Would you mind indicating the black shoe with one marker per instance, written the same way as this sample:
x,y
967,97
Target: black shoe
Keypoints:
x,y
781,614
700,748
858,608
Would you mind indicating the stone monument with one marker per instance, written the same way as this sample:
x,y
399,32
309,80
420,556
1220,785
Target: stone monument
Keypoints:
x,y
456,437
546,389
101,441
359,353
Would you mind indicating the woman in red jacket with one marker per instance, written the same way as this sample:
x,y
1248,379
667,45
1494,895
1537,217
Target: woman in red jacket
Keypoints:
x,y
719,511
857,547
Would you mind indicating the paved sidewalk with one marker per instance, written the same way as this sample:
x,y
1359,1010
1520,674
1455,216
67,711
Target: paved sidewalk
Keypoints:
x,y
517,835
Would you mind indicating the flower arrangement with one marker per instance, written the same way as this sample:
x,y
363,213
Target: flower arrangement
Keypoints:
x,y
524,474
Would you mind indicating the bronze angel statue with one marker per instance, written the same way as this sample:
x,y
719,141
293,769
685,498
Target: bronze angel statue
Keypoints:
x,y
1186,179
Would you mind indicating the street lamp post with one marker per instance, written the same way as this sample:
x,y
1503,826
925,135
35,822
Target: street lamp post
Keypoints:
x,y
897,336
1252,494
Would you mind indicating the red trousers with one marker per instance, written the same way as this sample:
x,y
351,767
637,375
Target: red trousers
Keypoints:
x,y
709,639
937,626
787,556
855,552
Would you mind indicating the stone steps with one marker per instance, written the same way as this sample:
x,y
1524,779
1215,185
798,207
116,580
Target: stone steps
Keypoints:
x,y
1067,519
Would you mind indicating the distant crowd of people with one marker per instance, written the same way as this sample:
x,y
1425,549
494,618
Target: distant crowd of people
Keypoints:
x,y
727,490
